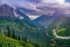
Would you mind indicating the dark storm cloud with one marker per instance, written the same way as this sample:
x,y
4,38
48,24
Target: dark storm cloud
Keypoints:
x,y
39,7
36,1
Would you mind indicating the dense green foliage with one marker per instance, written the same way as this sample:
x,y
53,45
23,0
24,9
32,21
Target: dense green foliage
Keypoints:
x,y
9,38
63,32
9,42
62,27
21,33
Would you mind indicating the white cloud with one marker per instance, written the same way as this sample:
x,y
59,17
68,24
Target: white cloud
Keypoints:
x,y
3,1
57,6
21,17
32,17
43,7
54,1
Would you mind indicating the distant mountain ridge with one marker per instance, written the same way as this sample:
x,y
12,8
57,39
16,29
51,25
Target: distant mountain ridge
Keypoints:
x,y
44,20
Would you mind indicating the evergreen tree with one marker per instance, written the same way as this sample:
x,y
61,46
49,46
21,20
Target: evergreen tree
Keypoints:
x,y
5,33
30,41
18,37
0,30
24,39
13,34
36,45
9,31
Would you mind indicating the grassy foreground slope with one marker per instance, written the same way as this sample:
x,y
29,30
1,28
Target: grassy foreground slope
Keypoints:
x,y
9,42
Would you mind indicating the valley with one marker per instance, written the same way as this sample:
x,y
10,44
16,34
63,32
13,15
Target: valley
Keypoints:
x,y
18,30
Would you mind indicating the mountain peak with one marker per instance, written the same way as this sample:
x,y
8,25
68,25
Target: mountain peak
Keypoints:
x,y
6,11
6,6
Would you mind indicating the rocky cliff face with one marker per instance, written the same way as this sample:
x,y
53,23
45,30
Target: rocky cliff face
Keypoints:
x,y
6,11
